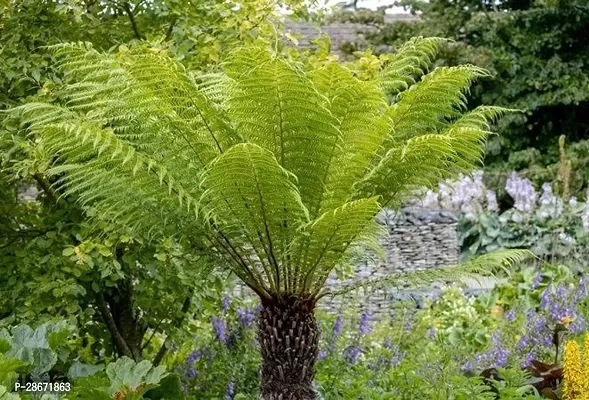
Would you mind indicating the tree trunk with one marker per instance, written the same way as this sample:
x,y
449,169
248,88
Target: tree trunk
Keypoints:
x,y
288,337
125,315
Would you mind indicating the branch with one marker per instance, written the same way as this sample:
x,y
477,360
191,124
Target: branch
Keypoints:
x,y
46,186
157,326
120,343
170,28
162,352
131,16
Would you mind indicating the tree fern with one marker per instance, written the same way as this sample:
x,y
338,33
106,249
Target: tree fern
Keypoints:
x,y
276,169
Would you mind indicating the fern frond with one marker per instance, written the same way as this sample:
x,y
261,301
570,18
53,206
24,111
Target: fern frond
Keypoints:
x,y
250,198
126,186
324,242
439,96
359,110
486,265
277,107
411,60
422,161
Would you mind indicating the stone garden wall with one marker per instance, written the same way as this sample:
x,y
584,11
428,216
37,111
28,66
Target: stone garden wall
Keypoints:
x,y
416,239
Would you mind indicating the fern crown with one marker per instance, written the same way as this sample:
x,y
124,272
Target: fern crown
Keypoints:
x,y
277,168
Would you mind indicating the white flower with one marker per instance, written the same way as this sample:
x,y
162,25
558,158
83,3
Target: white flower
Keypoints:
x,y
492,201
550,205
522,192
431,200
566,239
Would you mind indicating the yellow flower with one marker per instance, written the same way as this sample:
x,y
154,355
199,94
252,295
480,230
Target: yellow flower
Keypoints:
x,y
497,311
587,363
566,320
576,383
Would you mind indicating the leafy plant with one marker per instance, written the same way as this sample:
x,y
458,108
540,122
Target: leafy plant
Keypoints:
x,y
239,187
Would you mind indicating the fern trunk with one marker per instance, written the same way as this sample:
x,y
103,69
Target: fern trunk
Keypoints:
x,y
288,336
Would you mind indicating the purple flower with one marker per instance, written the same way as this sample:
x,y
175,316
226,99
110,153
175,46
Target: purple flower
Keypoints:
x,y
220,329
510,316
540,323
387,343
398,356
545,296
537,281
230,391
322,354
431,332
195,355
581,292
337,327
467,367
364,327
496,356
528,360
522,192
492,204
246,317
501,353
225,303
579,325
351,354
190,360
408,326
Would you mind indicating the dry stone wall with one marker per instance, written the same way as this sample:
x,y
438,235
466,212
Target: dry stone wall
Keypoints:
x,y
416,239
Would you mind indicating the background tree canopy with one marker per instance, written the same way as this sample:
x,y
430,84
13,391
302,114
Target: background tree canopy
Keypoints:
x,y
538,52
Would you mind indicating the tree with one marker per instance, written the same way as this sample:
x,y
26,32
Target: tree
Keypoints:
x,y
274,167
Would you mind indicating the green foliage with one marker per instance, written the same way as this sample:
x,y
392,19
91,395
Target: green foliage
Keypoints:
x,y
411,354
196,32
184,171
122,379
557,237
6,395
41,348
535,50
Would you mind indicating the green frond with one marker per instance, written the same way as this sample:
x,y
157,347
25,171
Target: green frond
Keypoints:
x,y
423,161
359,111
277,107
97,168
481,117
254,203
213,85
482,266
327,240
424,145
439,96
411,60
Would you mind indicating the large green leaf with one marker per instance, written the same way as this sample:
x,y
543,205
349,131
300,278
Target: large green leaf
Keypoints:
x,y
127,376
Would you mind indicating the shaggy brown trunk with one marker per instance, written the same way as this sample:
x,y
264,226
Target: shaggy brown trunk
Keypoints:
x,y
288,336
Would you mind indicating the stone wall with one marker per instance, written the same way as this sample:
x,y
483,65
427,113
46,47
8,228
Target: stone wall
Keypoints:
x,y
340,33
416,239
